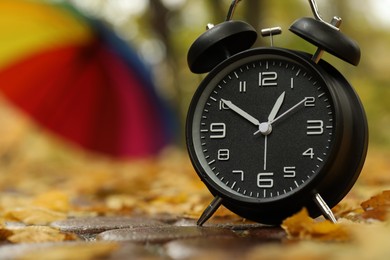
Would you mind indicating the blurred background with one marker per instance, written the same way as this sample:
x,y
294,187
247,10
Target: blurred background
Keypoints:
x,y
163,30
158,34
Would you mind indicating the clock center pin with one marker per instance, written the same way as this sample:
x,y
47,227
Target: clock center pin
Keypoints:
x,y
265,128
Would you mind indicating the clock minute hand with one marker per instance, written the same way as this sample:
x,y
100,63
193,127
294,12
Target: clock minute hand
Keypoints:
x,y
241,112
288,111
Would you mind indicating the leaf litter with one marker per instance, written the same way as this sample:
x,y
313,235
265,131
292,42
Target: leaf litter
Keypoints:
x,y
55,181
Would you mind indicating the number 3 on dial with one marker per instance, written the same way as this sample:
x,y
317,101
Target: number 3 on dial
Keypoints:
x,y
315,127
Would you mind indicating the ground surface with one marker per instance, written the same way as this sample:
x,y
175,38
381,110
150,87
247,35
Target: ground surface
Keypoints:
x,y
57,202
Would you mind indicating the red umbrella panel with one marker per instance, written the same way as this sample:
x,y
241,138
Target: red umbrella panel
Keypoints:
x,y
94,91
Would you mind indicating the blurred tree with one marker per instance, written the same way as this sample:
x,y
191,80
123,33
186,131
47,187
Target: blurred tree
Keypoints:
x,y
252,11
159,19
174,27
218,9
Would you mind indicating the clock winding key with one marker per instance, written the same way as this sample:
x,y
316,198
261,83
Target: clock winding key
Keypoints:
x,y
271,32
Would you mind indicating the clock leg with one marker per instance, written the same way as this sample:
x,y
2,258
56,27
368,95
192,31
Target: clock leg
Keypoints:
x,y
210,210
326,211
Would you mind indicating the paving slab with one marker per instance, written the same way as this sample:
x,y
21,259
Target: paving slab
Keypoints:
x,y
162,234
224,247
116,238
204,248
138,252
95,225
265,234
243,225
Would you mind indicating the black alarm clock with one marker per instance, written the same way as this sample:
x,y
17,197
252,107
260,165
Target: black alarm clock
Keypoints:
x,y
272,130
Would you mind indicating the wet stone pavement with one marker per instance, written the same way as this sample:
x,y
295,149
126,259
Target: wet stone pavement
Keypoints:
x,y
145,238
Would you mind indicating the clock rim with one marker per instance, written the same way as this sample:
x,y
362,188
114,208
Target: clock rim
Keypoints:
x,y
241,204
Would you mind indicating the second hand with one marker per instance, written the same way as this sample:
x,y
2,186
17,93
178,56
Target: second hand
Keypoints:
x,y
265,152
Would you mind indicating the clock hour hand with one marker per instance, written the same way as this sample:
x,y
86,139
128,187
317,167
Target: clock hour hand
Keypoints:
x,y
241,112
276,108
266,127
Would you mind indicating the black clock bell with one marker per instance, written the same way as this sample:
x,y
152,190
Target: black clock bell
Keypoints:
x,y
272,130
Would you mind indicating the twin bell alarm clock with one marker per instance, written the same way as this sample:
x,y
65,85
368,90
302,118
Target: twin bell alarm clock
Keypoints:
x,y
271,130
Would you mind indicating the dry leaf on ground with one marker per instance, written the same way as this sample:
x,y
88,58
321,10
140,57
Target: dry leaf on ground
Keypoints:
x,y
38,234
302,226
33,215
377,207
53,200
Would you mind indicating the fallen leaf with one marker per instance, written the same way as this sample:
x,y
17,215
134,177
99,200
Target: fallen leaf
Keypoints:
x,y
5,233
54,200
377,207
302,226
38,234
34,215
380,200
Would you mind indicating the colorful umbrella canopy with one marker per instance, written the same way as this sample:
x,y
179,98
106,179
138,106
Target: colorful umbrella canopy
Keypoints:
x,y
76,77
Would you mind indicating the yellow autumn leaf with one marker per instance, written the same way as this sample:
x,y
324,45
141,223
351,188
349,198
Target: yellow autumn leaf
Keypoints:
x,y
38,234
377,207
302,226
34,215
54,200
382,199
5,233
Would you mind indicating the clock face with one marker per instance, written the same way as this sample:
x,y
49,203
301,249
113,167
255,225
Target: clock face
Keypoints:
x,y
262,127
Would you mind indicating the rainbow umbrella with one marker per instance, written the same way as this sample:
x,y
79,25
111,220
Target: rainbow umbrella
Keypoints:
x,y
80,80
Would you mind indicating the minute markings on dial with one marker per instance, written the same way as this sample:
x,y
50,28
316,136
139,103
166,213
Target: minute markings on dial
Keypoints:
x,y
221,96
